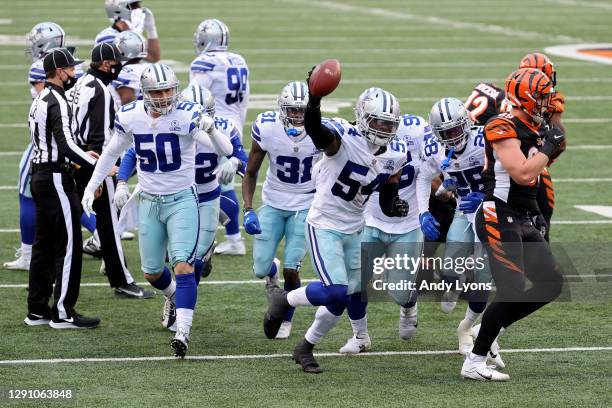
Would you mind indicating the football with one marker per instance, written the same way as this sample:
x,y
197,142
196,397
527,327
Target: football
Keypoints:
x,y
325,78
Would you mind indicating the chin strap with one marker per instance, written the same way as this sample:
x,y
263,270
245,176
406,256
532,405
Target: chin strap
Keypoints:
x,y
446,162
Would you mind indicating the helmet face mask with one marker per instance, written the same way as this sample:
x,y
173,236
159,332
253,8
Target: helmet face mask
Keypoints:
x,y
159,77
450,123
531,91
211,35
292,103
199,95
43,38
378,117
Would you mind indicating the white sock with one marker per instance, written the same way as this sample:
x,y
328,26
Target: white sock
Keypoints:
x,y
170,291
323,323
360,327
96,237
476,358
184,318
297,297
471,315
26,250
233,237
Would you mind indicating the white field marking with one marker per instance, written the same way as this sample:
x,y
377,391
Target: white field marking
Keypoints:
x,y
13,125
6,21
284,355
582,180
587,120
397,15
605,210
589,147
318,51
20,40
581,222
583,4
571,51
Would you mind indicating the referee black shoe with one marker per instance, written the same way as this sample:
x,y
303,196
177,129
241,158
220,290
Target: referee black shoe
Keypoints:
x,y
76,321
33,319
132,290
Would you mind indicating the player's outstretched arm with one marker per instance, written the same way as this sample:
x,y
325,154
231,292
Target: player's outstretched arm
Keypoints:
x,y
249,181
321,136
388,198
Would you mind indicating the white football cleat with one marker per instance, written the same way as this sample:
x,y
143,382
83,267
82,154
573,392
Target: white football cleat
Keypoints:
x,y
180,343
464,334
168,319
235,248
494,357
408,322
356,345
274,280
284,332
22,263
449,301
475,368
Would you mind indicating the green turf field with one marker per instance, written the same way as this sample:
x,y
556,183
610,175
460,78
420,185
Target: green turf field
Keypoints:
x,y
419,51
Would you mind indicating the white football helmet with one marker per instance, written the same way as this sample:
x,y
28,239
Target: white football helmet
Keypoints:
x,y
450,123
42,38
131,45
364,94
201,95
107,35
292,103
118,9
378,117
211,35
158,77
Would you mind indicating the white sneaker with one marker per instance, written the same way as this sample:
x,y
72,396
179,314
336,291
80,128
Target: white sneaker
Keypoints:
x,y
274,280
408,322
227,247
475,368
22,263
356,345
127,236
449,301
168,319
464,334
494,357
284,332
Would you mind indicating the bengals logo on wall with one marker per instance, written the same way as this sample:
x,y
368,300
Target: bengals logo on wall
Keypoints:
x,y
601,53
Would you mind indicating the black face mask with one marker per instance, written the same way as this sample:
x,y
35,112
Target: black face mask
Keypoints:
x,y
114,71
69,83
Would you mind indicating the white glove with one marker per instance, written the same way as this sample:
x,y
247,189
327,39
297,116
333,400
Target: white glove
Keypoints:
x,y
206,123
149,24
122,195
87,202
226,171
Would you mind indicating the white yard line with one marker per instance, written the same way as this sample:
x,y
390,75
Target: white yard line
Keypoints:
x,y
284,355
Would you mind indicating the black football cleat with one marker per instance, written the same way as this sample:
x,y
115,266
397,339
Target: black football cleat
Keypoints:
x,y
302,354
277,308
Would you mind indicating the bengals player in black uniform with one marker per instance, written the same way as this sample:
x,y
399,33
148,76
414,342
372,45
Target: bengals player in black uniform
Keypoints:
x,y
516,154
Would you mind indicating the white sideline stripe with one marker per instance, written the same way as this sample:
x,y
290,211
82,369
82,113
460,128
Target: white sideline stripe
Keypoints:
x,y
562,222
286,355
397,15
583,4
13,125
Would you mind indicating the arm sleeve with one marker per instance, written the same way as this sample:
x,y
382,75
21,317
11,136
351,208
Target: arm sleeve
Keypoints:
x,y
58,112
423,185
386,198
321,136
128,165
218,142
117,145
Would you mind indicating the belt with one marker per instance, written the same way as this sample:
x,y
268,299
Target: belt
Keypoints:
x,y
53,167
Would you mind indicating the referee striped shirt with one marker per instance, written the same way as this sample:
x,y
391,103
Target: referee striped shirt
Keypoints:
x,y
50,122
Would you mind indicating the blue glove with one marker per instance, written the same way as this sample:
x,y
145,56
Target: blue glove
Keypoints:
x,y
429,226
470,202
251,222
450,184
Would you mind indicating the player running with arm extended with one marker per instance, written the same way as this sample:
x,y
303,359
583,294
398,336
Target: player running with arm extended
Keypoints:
x,y
164,135
287,192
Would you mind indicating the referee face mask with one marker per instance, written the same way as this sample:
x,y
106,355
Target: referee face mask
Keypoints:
x,y
70,79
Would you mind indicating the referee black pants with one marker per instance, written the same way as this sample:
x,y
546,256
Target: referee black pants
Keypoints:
x,y
517,252
106,223
56,252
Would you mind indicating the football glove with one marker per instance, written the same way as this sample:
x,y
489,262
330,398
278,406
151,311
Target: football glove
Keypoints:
x,y
429,226
225,172
469,204
251,222
400,207
122,195
206,123
149,23
554,140
450,184
87,202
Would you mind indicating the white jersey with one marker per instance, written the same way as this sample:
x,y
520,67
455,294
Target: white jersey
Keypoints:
x,y
411,133
106,36
465,168
164,146
288,184
128,77
207,160
37,74
345,180
226,76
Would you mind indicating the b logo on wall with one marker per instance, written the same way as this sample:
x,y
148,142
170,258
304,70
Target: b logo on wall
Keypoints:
x,y
601,53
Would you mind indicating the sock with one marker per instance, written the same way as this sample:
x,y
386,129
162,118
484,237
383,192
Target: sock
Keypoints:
x,y
27,220
198,267
360,327
186,296
229,205
88,222
356,308
26,250
274,271
233,237
290,287
477,358
166,284
323,323
298,297
471,315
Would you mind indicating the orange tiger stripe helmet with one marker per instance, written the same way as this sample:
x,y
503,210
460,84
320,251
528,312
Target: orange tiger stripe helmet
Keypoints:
x,y
540,61
531,91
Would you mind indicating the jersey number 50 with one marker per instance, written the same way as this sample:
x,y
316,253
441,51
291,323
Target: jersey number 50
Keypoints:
x,y
152,152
